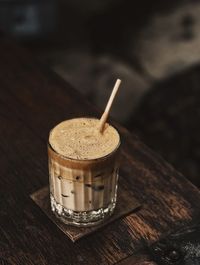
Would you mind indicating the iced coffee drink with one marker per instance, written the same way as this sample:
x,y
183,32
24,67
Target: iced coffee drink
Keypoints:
x,y
83,169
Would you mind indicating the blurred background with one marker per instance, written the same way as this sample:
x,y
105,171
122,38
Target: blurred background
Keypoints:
x,y
154,47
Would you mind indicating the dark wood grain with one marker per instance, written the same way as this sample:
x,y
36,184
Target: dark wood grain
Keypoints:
x,y
179,248
141,258
32,101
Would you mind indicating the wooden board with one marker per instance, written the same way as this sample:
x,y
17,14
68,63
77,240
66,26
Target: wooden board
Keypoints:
x,y
126,204
32,101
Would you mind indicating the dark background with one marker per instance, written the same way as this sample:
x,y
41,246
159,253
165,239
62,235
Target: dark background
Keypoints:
x,y
153,46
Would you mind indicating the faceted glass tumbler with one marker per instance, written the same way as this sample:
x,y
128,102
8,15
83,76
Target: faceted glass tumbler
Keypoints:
x,y
83,192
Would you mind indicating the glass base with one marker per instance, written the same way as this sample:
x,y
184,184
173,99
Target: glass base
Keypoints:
x,y
81,219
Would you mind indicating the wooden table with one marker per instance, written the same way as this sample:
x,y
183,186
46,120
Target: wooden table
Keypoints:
x,y
32,101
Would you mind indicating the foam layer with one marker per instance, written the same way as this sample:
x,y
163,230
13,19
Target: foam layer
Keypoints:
x,y
80,139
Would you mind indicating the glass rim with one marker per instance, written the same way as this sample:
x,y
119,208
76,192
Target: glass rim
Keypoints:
x,y
86,160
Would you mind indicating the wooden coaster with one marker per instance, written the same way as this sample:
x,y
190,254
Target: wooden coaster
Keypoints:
x,y
126,204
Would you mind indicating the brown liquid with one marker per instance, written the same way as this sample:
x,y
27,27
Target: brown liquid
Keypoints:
x,y
80,139
87,182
